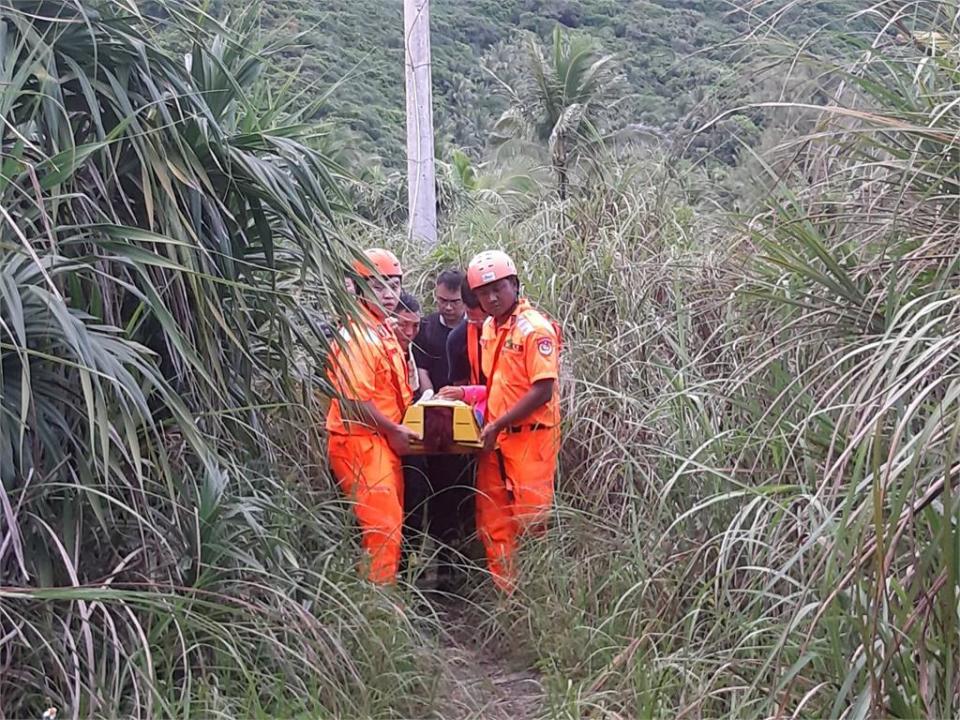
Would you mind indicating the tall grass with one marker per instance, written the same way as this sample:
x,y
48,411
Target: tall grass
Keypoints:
x,y
168,543
757,503
758,509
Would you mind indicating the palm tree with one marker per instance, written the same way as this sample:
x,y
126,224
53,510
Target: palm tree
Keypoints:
x,y
556,102
158,218
156,196
512,186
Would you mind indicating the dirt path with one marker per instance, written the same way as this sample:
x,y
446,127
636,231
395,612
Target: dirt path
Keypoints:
x,y
482,684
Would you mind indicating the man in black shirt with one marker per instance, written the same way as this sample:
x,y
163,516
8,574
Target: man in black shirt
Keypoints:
x,y
430,345
450,509
464,360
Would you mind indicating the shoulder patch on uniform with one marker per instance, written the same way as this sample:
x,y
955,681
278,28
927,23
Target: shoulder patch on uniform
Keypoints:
x,y
524,325
535,320
545,347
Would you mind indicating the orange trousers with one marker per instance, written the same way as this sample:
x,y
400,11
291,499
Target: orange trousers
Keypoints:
x,y
370,474
516,498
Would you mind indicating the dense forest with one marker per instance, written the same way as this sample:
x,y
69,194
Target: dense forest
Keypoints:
x,y
680,61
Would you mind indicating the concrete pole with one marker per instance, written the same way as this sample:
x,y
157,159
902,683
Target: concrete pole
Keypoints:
x,y
421,174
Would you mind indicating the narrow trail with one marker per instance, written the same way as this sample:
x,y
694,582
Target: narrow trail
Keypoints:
x,y
480,682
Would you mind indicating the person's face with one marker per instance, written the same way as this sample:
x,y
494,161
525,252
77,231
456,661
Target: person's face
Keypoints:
x,y
408,325
386,291
476,316
449,303
499,297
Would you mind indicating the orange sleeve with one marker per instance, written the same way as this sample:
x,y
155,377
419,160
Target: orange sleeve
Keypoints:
x,y
353,370
540,356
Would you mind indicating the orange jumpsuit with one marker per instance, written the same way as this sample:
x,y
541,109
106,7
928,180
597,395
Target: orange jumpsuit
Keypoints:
x,y
368,365
515,484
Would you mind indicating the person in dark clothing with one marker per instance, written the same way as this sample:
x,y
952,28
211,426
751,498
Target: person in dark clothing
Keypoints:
x,y
449,515
462,359
430,345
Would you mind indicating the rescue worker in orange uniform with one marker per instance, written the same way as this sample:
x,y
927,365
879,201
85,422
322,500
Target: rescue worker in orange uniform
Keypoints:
x,y
365,435
519,359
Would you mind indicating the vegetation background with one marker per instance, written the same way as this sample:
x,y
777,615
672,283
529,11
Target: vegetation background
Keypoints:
x,y
745,217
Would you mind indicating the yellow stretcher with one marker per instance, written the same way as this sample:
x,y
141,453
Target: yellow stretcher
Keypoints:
x,y
466,429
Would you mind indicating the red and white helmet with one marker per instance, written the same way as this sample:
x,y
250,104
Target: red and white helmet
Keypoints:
x,y
489,266
384,262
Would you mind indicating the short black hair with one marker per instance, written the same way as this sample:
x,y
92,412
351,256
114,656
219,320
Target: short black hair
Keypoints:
x,y
470,298
451,279
409,303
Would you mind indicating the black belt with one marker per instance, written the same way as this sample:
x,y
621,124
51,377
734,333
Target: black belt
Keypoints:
x,y
521,428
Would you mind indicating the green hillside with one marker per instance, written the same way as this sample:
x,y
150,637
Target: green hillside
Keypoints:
x,y
673,54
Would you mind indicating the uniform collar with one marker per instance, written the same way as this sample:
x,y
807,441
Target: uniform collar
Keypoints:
x,y
376,324
522,304
369,316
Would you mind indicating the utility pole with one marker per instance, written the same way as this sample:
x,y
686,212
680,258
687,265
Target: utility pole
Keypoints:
x,y
421,174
